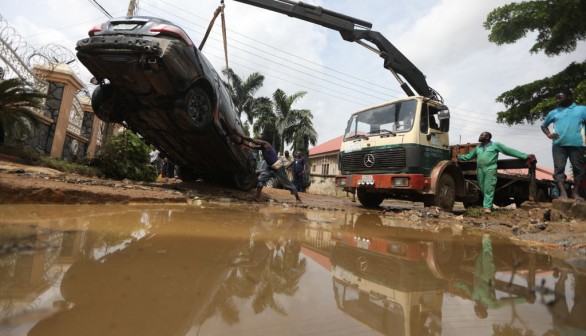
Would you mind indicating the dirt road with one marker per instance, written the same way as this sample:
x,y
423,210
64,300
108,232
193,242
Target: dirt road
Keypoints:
x,y
20,183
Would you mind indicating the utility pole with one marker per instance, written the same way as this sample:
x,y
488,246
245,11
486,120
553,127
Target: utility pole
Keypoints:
x,y
132,8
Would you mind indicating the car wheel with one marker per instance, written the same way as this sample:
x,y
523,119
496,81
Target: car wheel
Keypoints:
x,y
245,181
198,107
187,174
105,105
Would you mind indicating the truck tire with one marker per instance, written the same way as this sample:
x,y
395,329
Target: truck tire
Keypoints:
x,y
445,195
199,107
369,199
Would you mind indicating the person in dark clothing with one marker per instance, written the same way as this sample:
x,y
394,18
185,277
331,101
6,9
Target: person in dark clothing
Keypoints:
x,y
299,167
274,166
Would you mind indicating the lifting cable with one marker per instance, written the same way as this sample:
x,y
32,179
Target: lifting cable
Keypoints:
x,y
218,10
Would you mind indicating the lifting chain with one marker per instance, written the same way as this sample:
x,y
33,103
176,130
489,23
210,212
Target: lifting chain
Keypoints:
x,y
219,10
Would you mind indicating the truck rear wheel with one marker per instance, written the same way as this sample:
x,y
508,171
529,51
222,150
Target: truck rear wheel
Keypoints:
x,y
369,199
445,194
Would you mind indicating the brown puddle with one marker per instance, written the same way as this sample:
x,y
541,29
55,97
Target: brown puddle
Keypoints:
x,y
232,269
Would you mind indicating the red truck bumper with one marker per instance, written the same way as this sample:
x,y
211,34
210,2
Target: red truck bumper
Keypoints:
x,y
416,182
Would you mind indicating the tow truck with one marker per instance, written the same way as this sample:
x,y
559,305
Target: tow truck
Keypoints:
x,y
400,149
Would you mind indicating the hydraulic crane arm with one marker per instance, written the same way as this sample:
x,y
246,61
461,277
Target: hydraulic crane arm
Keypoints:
x,y
356,30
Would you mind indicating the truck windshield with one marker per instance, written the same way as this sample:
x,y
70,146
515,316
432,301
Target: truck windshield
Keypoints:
x,y
381,314
388,119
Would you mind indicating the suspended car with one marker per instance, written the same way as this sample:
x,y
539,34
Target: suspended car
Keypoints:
x,y
153,78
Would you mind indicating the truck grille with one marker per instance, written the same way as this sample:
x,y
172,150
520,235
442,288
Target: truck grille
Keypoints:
x,y
383,159
367,265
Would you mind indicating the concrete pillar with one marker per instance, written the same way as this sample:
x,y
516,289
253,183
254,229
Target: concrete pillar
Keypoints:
x,y
94,142
61,73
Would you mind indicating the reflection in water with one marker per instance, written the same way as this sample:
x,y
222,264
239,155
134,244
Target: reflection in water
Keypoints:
x,y
483,290
180,270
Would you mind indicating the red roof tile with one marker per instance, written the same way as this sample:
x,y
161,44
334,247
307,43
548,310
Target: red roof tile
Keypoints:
x,y
328,146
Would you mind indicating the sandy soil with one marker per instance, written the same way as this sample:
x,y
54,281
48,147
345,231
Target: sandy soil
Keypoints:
x,y
532,225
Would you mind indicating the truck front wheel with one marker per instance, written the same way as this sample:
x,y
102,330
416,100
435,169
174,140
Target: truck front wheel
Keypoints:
x,y
445,195
370,200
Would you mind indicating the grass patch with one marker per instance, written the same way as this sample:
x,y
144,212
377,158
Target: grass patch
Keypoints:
x,y
31,157
475,212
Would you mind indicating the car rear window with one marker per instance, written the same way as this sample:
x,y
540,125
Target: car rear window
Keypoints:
x,y
125,26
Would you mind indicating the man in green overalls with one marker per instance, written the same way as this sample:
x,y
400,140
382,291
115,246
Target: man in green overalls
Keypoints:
x,y
486,155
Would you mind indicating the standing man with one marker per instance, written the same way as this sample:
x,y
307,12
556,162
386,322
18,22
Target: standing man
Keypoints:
x,y
568,119
274,167
299,167
487,154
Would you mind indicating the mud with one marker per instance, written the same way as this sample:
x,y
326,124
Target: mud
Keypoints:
x,y
532,225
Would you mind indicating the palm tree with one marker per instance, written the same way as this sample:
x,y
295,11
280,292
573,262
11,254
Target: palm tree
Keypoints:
x,y
17,103
265,125
280,119
243,92
302,134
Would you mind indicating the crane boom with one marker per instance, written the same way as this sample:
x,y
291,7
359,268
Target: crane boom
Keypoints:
x,y
356,30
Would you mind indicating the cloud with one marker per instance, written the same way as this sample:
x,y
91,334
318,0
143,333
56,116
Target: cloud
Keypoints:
x,y
443,38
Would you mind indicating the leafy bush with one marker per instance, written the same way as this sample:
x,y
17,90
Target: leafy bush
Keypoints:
x,y
126,156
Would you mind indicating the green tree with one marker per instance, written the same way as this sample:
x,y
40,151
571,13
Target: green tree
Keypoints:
x,y
560,26
280,119
242,92
265,124
17,104
302,134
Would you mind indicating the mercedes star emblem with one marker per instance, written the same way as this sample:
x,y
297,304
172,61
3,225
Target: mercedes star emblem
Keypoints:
x,y
369,160
362,263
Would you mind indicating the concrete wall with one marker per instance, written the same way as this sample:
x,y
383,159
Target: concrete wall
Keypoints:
x,y
323,169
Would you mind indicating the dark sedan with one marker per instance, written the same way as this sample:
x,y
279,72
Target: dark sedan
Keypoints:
x,y
154,79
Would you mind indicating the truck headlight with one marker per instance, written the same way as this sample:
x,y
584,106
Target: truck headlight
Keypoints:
x,y
401,182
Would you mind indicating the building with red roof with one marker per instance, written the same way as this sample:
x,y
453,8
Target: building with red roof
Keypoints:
x,y
323,163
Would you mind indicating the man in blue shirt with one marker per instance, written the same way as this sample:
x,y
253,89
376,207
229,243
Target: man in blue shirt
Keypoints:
x,y
299,168
568,119
274,166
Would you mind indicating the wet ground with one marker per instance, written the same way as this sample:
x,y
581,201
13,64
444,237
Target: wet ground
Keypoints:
x,y
230,268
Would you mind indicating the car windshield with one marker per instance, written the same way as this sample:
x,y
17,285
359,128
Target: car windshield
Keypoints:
x,y
387,119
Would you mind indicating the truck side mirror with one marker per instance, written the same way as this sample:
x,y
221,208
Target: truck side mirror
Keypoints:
x,y
444,119
443,114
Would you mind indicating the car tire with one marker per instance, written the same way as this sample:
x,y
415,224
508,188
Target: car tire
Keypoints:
x,y
187,174
198,106
245,181
105,105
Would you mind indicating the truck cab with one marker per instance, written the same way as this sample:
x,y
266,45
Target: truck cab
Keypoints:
x,y
395,150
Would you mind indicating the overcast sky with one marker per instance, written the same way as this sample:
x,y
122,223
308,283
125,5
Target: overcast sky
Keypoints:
x,y
443,38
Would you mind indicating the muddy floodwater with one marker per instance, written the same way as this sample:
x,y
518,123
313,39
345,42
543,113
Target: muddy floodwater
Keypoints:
x,y
223,268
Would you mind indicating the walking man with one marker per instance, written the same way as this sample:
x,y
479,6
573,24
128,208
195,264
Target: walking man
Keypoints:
x,y
486,155
568,119
299,167
274,167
